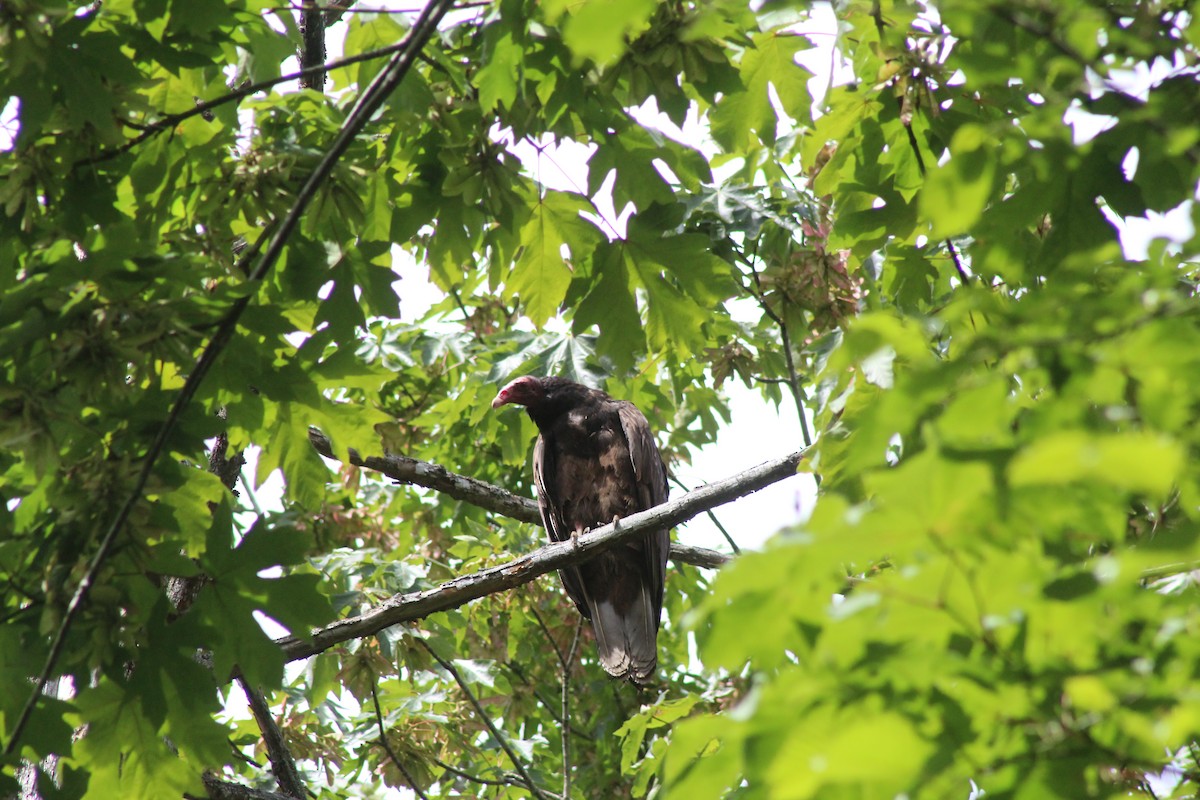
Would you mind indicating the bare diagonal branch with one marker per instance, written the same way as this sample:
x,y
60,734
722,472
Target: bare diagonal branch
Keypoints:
x,y
479,493
282,763
500,738
461,590
567,662
168,122
436,477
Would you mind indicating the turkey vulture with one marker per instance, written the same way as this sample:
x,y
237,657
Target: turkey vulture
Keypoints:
x,y
595,461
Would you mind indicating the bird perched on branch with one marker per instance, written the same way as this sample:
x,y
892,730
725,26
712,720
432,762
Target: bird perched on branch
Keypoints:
x,y
596,461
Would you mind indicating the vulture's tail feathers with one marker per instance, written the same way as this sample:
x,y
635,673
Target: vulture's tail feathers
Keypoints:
x,y
627,641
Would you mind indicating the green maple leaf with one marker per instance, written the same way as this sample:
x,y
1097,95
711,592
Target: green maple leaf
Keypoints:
x,y
541,275
743,115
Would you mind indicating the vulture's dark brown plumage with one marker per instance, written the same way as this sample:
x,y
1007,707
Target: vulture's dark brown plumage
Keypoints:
x,y
595,461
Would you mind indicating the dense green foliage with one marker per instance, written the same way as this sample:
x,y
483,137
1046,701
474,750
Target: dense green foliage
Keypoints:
x,y
996,585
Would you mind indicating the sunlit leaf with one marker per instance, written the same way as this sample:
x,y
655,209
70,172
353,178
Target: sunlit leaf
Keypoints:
x,y
1136,462
769,65
956,193
541,275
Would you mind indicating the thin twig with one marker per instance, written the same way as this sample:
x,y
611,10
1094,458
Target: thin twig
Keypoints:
x,y
551,708
546,630
541,151
388,748
794,382
567,663
468,318
474,778
169,121
713,519
387,80
106,543
251,495
915,146
491,726
963,275
958,265
786,340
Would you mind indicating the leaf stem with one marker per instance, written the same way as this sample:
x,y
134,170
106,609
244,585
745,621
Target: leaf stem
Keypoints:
x,y
500,738
712,518
786,341
567,663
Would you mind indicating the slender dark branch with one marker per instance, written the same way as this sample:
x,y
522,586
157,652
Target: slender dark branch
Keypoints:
x,y
1041,32
713,519
551,708
567,664
915,146
468,319
465,588
963,275
453,770
388,747
169,121
785,340
432,476
106,544
794,382
562,659
385,82
500,738
242,757
479,493
282,763
958,265
434,65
